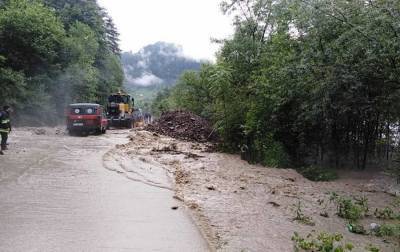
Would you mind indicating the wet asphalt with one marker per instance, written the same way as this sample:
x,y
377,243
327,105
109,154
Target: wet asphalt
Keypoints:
x,y
55,195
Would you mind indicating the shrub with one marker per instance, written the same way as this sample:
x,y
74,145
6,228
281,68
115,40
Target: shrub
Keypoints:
x,y
315,173
356,228
372,248
348,209
389,230
323,242
385,213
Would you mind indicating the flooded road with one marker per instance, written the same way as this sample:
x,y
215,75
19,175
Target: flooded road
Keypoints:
x,y
56,195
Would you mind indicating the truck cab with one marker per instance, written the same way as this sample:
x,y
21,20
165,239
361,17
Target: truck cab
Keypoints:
x,y
86,118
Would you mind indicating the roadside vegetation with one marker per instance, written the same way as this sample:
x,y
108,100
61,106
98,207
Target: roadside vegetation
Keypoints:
x,y
54,53
384,223
303,83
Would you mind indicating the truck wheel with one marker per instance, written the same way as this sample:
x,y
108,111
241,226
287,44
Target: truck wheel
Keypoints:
x,y
129,124
99,131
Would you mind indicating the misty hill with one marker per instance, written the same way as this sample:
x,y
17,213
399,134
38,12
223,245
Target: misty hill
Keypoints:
x,y
158,64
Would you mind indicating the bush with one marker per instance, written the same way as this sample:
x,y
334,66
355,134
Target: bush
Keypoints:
x,y
389,230
385,213
324,242
315,173
349,209
272,153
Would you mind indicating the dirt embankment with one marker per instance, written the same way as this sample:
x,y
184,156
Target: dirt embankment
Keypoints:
x,y
183,125
242,207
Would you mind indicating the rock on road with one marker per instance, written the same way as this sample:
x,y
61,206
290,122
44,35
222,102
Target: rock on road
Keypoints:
x,y
55,195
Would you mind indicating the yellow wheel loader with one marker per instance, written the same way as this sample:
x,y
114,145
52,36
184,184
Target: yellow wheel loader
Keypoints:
x,y
120,109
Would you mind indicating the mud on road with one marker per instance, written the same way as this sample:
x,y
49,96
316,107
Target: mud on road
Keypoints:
x,y
140,191
242,207
57,195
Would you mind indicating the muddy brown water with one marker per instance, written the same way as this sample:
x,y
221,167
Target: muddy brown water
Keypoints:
x,y
242,207
56,195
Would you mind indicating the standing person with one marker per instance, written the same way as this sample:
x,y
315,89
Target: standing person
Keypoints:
x,y
5,127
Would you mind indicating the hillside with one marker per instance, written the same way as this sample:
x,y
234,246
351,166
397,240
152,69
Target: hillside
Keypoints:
x,y
153,68
157,64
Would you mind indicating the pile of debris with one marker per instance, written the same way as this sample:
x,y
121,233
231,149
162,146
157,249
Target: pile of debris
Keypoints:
x,y
183,125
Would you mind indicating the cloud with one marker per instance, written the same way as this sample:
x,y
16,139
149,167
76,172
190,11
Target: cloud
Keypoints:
x,y
141,64
147,79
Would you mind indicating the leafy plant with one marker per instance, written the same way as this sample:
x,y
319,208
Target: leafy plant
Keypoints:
x,y
350,210
301,217
389,230
372,248
356,228
385,213
323,242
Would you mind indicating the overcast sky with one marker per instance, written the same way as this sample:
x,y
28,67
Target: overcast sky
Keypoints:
x,y
189,23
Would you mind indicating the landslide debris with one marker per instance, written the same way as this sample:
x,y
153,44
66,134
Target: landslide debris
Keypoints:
x,y
183,125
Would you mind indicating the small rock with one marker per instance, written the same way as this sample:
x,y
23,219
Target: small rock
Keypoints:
x,y
193,206
274,204
40,131
177,198
374,226
211,188
174,207
324,214
242,188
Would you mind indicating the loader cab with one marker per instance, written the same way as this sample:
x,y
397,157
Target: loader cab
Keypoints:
x,y
120,110
118,104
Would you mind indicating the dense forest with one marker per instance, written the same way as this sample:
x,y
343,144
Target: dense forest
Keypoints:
x,y
54,52
302,82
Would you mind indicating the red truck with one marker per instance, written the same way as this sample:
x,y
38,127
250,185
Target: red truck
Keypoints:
x,y
86,118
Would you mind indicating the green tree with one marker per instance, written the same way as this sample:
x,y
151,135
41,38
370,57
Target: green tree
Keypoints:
x,y
309,82
31,37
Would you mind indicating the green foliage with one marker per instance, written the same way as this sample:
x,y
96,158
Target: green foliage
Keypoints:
x,y
162,103
81,44
13,86
301,217
271,152
54,53
306,82
317,173
350,209
323,242
372,248
389,230
385,213
31,36
356,228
